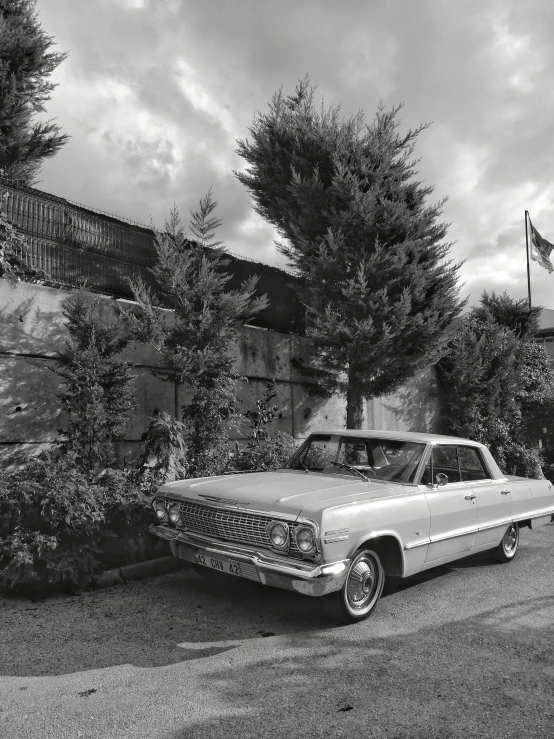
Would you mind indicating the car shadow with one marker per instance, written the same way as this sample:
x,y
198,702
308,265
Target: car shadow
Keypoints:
x,y
152,623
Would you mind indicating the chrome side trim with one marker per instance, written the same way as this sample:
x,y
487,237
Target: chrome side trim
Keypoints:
x,y
336,538
476,530
495,524
444,537
535,514
337,531
415,544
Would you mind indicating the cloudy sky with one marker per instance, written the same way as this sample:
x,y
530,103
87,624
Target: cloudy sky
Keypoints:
x,y
154,94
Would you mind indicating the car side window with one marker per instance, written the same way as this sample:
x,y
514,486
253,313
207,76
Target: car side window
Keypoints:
x,y
471,464
445,460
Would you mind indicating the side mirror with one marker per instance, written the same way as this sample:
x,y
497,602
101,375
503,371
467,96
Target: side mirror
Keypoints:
x,y
441,479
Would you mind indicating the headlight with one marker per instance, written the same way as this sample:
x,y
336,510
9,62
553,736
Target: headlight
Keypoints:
x,y
279,535
174,512
305,539
160,510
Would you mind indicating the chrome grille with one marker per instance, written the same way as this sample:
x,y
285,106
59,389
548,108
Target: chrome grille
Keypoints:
x,y
230,525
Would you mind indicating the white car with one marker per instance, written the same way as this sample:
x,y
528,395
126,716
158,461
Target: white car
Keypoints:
x,y
349,508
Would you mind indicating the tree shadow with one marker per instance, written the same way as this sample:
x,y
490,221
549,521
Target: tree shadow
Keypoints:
x,y
474,677
416,405
30,412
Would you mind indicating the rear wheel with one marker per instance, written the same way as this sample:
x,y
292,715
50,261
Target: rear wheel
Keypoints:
x,y
363,586
507,548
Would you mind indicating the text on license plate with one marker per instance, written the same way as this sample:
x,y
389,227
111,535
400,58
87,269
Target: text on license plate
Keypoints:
x,y
231,568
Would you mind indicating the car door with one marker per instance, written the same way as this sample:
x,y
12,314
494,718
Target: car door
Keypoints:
x,y
492,496
452,506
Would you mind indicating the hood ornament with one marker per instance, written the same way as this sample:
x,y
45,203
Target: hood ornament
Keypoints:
x,y
223,501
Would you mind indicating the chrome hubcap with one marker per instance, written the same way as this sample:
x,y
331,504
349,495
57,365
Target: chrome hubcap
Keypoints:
x,y
509,542
361,584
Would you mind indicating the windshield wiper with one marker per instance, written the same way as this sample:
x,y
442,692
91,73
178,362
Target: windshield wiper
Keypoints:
x,y
352,469
304,466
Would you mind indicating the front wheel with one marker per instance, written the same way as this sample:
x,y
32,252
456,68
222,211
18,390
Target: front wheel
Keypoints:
x,y
361,591
507,548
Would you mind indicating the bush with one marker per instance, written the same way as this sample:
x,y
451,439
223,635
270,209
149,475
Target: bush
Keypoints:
x,y
262,451
54,520
270,453
165,449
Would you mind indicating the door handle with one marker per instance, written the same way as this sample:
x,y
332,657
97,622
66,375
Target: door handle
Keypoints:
x,y
470,497
504,492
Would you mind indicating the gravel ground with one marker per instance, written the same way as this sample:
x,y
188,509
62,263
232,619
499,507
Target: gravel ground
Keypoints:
x,y
463,651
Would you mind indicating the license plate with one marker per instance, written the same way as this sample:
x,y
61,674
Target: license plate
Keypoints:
x,y
223,565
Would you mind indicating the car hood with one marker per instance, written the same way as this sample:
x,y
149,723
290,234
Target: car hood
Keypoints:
x,y
285,491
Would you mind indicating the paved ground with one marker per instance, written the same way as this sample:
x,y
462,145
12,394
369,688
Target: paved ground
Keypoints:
x,y
466,651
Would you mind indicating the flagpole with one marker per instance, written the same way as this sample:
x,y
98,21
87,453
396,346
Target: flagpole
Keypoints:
x,y
527,251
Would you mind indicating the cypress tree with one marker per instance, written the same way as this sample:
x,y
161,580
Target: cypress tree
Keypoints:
x,y
98,385
381,300
505,311
197,340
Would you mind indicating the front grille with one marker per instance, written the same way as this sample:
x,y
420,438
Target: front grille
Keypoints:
x,y
230,525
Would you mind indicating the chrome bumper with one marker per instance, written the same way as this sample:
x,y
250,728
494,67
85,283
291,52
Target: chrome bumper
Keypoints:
x,y
276,571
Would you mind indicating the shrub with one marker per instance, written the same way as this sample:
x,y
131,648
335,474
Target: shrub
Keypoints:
x,y
164,455
270,453
264,414
262,451
54,519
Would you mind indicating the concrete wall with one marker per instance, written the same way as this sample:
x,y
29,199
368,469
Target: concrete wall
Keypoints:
x,y
32,331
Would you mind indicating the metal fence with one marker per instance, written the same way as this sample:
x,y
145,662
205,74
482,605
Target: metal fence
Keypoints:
x,y
74,244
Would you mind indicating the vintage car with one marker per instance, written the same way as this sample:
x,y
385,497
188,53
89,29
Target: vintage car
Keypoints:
x,y
349,508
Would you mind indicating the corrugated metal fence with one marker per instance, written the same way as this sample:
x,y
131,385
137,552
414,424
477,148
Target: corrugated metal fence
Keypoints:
x,y
73,244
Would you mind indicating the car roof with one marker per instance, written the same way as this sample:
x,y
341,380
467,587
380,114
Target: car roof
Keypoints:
x,y
415,436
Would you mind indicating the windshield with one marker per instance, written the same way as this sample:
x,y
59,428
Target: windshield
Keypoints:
x,y
385,459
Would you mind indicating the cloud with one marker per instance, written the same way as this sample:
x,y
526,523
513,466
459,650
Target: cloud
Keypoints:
x,y
154,95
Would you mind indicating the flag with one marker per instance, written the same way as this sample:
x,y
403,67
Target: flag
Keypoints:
x,y
540,249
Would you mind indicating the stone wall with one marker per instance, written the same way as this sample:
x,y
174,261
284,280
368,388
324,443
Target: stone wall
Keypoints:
x,y
32,331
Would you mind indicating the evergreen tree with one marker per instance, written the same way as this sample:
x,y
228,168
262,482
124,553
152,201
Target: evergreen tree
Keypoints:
x,y
381,301
98,393
496,386
513,314
25,67
197,340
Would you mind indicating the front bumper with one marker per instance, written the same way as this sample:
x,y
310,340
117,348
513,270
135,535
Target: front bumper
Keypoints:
x,y
273,570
